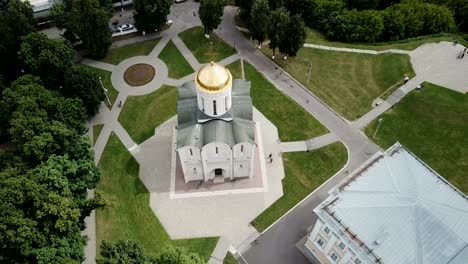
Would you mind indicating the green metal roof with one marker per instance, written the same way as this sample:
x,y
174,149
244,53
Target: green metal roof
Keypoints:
x,y
192,133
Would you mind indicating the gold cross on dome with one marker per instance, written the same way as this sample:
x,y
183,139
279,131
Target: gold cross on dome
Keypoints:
x,y
211,53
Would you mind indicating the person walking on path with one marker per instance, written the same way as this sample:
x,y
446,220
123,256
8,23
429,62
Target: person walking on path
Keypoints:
x,y
406,79
463,53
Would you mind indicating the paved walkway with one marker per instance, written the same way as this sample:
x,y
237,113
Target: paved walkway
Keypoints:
x,y
375,52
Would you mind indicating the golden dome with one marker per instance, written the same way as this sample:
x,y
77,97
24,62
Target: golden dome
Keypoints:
x,y
213,78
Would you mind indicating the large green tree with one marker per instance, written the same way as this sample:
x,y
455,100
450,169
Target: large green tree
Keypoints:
x,y
83,84
149,15
16,20
47,58
123,252
292,36
277,24
211,12
88,20
171,254
259,20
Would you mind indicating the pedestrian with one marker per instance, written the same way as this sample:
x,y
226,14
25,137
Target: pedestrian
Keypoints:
x,y
271,158
406,79
120,103
463,53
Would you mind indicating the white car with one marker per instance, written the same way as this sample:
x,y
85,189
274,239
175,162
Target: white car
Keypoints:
x,y
125,27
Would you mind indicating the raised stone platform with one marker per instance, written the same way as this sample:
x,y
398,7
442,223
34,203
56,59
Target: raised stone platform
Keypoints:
x,y
258,182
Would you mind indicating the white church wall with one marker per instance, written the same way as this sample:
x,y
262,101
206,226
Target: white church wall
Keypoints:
x,y
216,155
223,102
191,162
243,156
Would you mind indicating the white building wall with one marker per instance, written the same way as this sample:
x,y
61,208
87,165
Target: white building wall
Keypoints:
x,y
243,159
223,102
191,162
216,156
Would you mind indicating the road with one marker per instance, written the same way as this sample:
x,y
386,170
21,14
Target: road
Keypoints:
x,y
277,244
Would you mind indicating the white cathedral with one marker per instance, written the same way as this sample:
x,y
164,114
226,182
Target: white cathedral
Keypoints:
x,y
215,131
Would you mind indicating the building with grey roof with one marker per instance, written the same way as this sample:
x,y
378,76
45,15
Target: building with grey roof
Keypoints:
x,y
395,210
215,131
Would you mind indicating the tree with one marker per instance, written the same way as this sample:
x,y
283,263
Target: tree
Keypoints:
x,y
16,20
47,58
277,22
149,15
259,20
122,252
293,36
245,9
83,84
87,19
211,12
171,254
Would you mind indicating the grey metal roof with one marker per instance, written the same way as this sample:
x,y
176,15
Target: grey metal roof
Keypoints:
x,y
192,133
404,211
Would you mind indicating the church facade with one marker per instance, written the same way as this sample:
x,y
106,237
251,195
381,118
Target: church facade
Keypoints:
x,y
215,131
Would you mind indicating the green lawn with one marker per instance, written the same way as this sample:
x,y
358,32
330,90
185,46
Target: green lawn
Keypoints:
x,y
292,121
347,82
106,81
116,55
315,37
230,259
305,171
433,124
96,131
175,61
129,215
142,114
195,40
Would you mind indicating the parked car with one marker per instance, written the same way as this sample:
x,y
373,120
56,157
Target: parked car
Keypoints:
x,y
125,27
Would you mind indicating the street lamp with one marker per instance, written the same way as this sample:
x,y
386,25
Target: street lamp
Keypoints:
x,y
380,121
105,91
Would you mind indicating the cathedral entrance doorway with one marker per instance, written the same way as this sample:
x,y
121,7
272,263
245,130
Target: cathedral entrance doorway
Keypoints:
x,y
218,172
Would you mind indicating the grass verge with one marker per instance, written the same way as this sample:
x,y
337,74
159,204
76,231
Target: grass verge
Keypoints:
x,y
230,259
305,171
96,132
175,61
116,55
433,124
293,121
129,216
315,37
142,114
347,82
195,40
112,93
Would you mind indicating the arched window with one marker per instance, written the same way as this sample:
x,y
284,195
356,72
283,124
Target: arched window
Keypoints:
x,y
225,103
216,150
195,170
242,148
214,108
191,152
203,104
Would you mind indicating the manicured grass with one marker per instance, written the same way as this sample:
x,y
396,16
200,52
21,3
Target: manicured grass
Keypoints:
x,y
230,259
433,124
116,55
175,61
195,40
315,37
347,82
235,69
142,114
112,93
305,171
292,121
96,132
129,215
